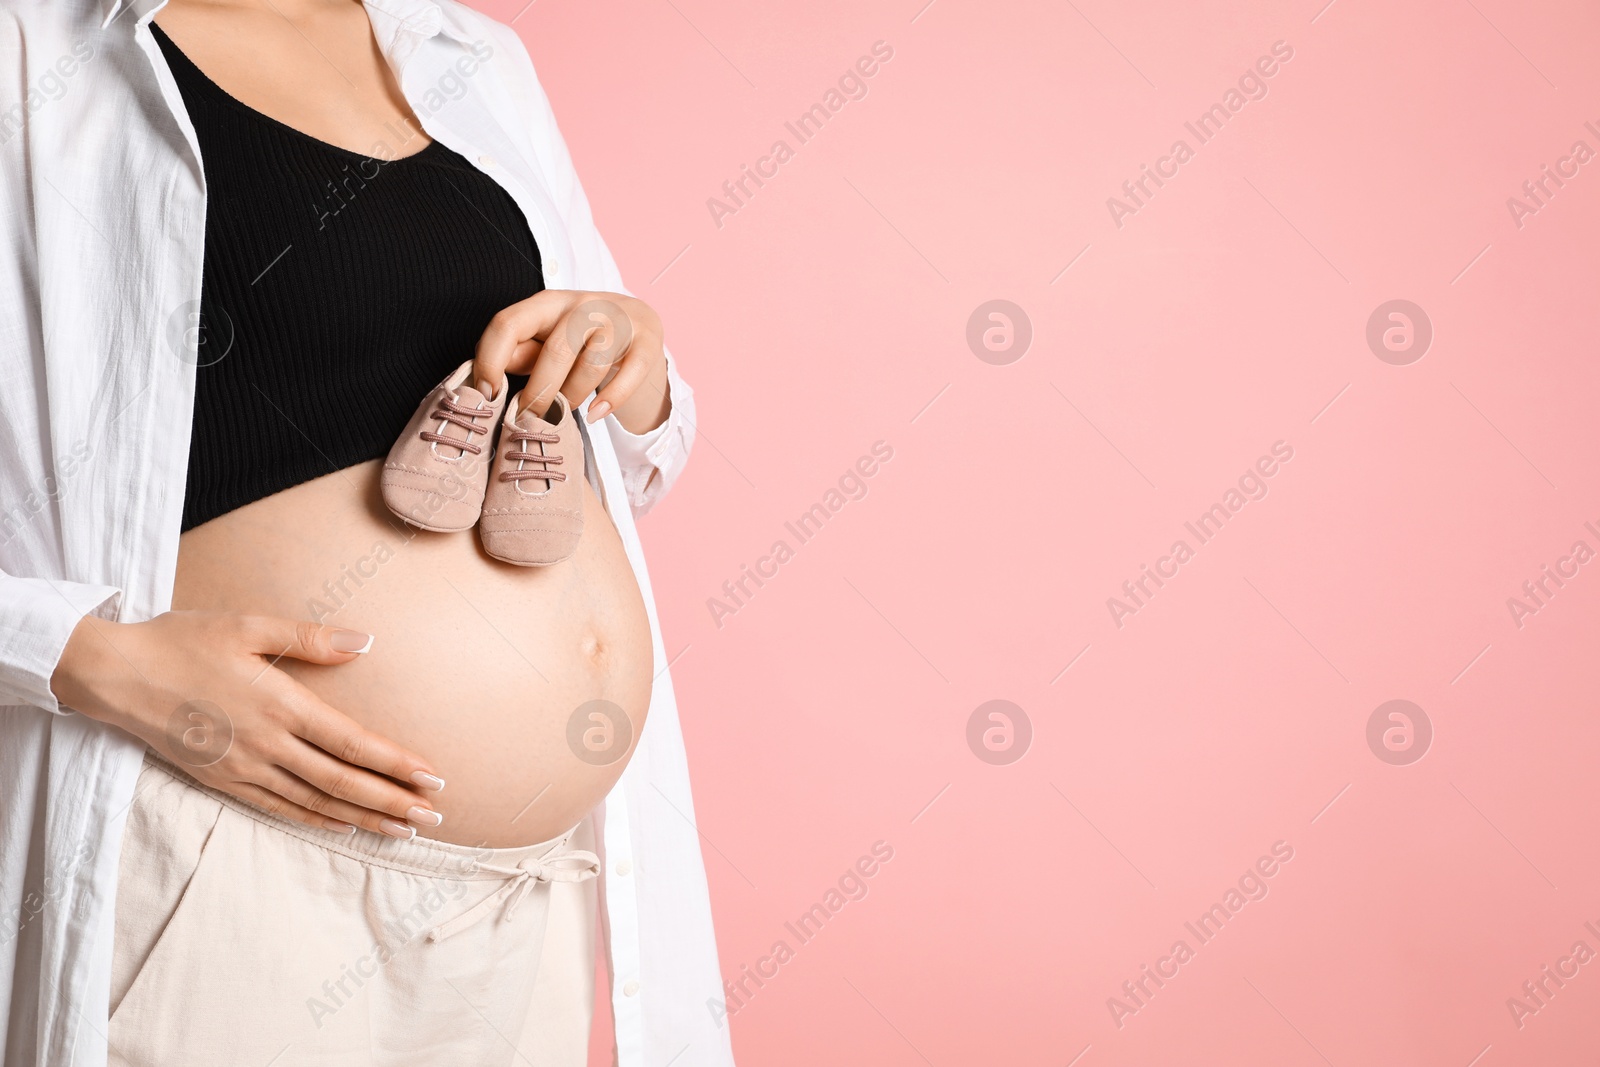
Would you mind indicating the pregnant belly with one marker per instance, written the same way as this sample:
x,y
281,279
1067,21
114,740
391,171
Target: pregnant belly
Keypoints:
x,y
507,679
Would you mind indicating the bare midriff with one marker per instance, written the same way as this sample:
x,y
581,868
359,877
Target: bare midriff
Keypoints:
x,y
477,666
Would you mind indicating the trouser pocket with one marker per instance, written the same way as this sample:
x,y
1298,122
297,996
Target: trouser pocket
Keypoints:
x,y
169,831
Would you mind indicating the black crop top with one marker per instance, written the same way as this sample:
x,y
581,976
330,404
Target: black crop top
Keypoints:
x,y
338,289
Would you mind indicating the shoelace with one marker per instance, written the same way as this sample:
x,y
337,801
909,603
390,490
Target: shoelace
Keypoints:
x,y
453,411
574,866
525,456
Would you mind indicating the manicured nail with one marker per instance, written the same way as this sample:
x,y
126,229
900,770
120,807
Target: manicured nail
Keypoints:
x,y
418,814
427,781
350,641
340,827
397,829
486,389
599,410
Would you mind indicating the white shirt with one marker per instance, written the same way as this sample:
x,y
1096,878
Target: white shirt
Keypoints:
x,y
103,228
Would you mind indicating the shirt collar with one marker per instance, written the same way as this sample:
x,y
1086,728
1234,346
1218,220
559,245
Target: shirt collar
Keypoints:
x,y
419,19
110,9
391,19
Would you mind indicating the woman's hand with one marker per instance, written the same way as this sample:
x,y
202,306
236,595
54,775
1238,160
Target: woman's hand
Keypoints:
x,y
202,688
578,342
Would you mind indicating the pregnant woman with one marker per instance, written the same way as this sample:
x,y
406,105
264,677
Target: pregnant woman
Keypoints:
x,y
288,779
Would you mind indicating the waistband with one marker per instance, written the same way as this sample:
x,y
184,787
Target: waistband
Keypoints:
x,y
521,869
419,855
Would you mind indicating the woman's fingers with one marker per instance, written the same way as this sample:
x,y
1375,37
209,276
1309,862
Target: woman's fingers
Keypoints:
x,y
632,374
562,340
302,639
503,347
525,355
354,789
286,809
313,789
359,748
557,367
601,335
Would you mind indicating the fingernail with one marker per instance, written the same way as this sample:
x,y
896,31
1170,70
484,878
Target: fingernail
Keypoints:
x,y
340,827
486,389
599,410
427,781
350,641
425,816
397,829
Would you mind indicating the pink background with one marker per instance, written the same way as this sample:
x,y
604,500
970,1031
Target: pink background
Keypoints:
x,y
1231,712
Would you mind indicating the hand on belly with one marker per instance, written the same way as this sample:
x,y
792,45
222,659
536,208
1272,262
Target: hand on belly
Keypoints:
x,y
526,688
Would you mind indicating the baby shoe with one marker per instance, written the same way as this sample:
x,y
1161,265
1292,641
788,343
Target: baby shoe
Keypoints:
x,y
435,474
533,509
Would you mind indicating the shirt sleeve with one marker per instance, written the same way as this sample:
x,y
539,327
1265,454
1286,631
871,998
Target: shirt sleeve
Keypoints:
x,y
37,616
651,462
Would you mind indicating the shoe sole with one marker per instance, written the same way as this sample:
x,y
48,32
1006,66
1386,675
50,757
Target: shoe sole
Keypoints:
x,y
530,563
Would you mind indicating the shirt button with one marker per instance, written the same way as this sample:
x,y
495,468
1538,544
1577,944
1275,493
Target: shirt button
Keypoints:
x,y
487,161
631,988
624,868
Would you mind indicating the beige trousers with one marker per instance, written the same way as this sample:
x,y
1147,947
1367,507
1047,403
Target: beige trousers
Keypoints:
x,y
246,939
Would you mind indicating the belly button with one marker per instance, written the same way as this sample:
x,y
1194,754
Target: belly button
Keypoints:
x,y
592,649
